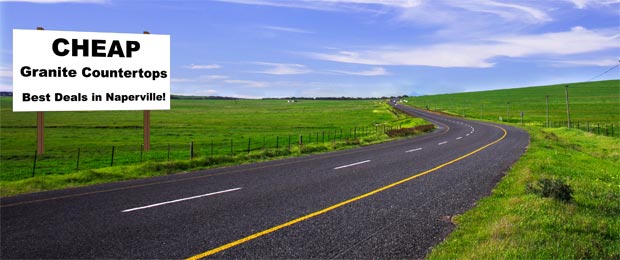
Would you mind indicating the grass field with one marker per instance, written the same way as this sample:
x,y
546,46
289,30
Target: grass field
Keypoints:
x,y
594,102
515,223
209,124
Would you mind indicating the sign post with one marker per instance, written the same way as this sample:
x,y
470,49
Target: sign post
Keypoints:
x,y
40,133
147,130
40,126
147,125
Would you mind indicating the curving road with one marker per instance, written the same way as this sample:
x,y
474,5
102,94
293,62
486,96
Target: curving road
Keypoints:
x,y
392,200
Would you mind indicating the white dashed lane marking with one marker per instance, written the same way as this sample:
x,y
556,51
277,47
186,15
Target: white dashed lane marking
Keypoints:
x,y
353,164
179,200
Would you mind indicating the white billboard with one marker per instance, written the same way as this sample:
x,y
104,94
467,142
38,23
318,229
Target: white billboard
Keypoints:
x,y
81,71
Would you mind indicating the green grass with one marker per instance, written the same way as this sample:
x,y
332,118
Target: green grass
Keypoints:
x,y
209,124
186,121
156,168
595,102
515,223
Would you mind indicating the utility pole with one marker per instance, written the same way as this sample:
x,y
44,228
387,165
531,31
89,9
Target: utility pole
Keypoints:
x,y
567,105
547,102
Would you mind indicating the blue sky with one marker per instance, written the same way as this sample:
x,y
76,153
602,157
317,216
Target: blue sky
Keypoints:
x,y
361,48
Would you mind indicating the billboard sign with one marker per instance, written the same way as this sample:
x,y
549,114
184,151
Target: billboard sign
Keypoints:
x,y
89,71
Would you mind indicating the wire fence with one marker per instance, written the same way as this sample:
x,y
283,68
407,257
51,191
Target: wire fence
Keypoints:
x,y
63,160
598,128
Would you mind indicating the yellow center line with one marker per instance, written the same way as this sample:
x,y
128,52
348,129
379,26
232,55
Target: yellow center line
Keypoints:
x,y
335,206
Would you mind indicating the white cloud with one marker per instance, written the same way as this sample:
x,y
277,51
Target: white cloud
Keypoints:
x,y
504,10
393,3
330,5
375,71
207,92
201,78
202,67
589,62
577,40
212,77
518,12
248,83
282,68
195,91
181,80
285,29
480,54
579,3
6,73
59,1
582,4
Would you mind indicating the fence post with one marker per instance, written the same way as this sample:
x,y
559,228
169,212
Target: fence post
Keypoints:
x,y
277,142
301,140
112,160
77,164
249,144
191,150
612,130
323,136
355,133
34,166
606,130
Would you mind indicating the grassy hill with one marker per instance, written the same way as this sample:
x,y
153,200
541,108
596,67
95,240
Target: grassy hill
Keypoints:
x,y
594,102
524,218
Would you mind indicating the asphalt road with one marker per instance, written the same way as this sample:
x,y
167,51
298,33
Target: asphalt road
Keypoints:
x,y
392,200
